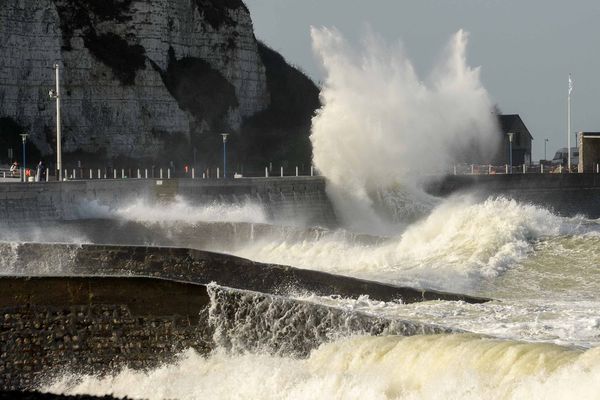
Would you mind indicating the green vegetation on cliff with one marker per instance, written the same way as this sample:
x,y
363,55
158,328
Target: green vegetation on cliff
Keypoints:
x,y
280,134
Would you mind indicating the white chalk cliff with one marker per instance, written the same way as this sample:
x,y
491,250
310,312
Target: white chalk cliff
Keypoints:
x,y
128,71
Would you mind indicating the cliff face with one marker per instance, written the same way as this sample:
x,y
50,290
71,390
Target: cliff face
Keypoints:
x,y
141,79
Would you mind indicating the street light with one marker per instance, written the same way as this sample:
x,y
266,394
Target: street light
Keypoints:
x,y
545,142
55,94
24,138
224,154
510,140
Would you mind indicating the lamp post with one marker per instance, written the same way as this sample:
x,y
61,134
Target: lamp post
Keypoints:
x,y
24,138
510,140
55,94
545,142
224,154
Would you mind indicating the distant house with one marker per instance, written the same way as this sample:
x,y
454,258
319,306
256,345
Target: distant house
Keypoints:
x,y
521,142
589,152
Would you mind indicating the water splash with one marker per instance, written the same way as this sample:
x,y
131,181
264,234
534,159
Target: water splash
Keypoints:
x,y
178,211
391,367
461,242
381,124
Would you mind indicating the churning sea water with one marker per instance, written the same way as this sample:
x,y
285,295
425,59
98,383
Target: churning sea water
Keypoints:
x,y
538,338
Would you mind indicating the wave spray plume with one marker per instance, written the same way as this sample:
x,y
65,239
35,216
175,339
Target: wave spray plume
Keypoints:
x,y
380,124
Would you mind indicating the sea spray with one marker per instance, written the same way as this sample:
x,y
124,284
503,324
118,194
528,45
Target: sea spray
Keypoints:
x,y
246,321
179,210
566,321
391,367
381,124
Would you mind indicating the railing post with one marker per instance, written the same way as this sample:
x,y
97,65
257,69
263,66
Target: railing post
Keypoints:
x,y
312,171
266,172
524,171
146,173
489,169
122,173
560,169
91,174
281,171
541,168
506,168
472,169
296,170
160,173
193,173
168,173
74,174
204,175
218,173
454,169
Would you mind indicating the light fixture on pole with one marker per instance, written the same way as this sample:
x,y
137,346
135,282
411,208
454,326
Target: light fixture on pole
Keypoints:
x,y
510,140
55,94
545,142
224,154
24,138
569,124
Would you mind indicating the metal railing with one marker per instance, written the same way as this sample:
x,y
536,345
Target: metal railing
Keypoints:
x,y
163,173
489,169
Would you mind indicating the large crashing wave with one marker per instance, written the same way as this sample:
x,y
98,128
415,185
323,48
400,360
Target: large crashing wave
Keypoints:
x,y
391,367
381,124
460,242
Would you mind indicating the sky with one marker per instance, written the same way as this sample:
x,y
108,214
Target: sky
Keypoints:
x,y
525,48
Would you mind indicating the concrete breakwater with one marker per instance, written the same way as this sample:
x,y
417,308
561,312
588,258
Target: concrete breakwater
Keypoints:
x,y
565,194
282,198
200,267
52,326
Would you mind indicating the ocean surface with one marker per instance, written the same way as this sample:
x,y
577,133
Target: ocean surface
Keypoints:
x,y
538,339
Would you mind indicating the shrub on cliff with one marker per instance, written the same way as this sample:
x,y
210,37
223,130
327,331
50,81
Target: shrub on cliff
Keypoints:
x,y
280,134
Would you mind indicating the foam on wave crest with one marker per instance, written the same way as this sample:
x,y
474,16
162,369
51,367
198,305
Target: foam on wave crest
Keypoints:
x,y
459,241
390,367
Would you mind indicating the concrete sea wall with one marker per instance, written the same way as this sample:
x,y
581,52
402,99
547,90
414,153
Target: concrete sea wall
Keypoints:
x,y
565,194
282,198
53,325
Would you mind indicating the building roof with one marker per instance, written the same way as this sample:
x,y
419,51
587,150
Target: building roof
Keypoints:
x,y
512,123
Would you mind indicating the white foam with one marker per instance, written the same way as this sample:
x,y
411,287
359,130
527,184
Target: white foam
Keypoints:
x,y
460,241
382,125
420,367
179,210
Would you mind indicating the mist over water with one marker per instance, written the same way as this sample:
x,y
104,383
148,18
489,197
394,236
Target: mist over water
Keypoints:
x,y
382,125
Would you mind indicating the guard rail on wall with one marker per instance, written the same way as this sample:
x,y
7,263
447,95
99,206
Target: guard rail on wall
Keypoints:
x,y
168,173
488,169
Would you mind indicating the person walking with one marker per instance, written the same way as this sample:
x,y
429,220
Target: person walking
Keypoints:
x,y
14,168
40,173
